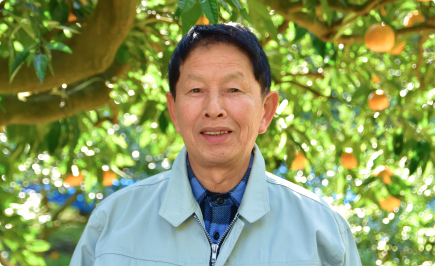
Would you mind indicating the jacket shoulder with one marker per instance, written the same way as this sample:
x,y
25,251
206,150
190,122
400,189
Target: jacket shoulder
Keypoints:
x,y
308,195
126,192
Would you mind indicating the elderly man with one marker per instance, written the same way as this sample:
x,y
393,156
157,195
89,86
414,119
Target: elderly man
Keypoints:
x,y
218,205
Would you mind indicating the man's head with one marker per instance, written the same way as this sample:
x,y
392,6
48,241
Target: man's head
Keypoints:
x,y
231,34
222,101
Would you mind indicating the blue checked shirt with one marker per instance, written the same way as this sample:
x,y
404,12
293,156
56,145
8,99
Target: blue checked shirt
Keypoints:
x,y
218,209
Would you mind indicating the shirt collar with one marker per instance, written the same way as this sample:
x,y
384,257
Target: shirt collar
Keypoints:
x,y
179,202
200,192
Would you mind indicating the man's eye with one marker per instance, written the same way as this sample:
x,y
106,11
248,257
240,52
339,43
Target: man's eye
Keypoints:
x,y
195,90
234,90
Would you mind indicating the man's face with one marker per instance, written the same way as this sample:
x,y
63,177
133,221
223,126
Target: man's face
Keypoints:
x,y
219,109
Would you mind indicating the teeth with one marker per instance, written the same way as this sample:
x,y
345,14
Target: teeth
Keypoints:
x,y
216,133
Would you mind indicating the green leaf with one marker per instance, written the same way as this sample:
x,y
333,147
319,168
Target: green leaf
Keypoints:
x,y
38,246
260,17
309,4
300,32
122,55
189,18
244,14
344,3
186,5
59,10
53,137
325,7
226,6
163,122
18,62
398,143
210,9
237,4
123,160
32,7
40,65
319,46
59,46
149,111
177,13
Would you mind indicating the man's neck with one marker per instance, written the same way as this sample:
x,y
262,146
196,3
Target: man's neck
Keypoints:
x,y
220,179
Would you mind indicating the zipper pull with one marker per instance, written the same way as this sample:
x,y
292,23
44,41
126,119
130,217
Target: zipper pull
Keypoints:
x,y
214,249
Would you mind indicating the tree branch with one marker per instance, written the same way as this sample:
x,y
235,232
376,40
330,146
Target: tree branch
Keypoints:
x,y
2,260
93,50
48,230
307,88
45,107
310,75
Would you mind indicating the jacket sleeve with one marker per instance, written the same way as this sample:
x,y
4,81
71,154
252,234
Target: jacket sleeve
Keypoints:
x,y
84,253
351,256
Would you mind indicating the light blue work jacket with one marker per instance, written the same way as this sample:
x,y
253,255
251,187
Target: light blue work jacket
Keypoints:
x,y
158,222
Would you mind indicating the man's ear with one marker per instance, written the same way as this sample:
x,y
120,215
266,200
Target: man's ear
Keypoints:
x,y
270,103
172,110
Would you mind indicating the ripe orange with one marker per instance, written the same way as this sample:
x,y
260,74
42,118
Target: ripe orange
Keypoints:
x,y
54,255
348,160
299,161
74,181
108,176
378,101
398,48
203,20
376,79
380,38
413,17
383,172
389,204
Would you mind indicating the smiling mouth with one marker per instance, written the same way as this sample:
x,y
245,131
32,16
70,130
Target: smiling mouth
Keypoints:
x,y
218,133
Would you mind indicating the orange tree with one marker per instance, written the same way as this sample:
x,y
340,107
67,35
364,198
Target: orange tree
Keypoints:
x,y
82,112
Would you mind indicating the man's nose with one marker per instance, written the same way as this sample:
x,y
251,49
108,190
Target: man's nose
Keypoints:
x,y
214,106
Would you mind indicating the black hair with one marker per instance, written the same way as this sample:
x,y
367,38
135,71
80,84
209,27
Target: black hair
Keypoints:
x,y
230,33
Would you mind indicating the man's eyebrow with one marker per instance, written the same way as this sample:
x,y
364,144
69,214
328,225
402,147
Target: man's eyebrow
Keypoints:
x,y
194,76
234,75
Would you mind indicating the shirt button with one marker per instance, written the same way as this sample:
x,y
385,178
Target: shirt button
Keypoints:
x,y
216,235
220,201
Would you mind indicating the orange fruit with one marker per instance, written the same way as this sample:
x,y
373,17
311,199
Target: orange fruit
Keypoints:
x,y
54,255
398,48
389,204
380,38
299,162
378,101
108,176
376,79
74,181
413,17
203,20
383,172
348,160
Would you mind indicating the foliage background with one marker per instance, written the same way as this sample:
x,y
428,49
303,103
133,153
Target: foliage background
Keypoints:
x,y
82,88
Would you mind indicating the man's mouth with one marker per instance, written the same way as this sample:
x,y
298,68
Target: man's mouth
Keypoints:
x,y
218,133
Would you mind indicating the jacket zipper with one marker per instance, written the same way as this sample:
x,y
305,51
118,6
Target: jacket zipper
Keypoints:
x,y
215,247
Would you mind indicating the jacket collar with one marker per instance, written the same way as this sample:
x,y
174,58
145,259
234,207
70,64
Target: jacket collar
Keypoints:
x,y
179,203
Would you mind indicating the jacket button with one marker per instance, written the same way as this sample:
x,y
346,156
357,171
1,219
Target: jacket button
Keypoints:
x,y
220,201
216,235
